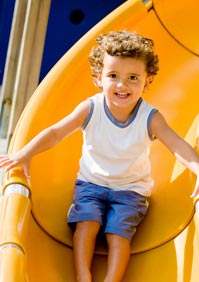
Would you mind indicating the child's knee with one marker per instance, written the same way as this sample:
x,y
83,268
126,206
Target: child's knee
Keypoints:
x,y
88,227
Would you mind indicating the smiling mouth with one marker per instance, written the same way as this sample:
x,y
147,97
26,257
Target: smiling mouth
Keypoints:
x,y
122,95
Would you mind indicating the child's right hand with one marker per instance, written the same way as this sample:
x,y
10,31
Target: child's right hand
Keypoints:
x,y
15,160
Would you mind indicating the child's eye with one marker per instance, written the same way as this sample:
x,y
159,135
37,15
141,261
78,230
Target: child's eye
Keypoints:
x,y
133,77
112,75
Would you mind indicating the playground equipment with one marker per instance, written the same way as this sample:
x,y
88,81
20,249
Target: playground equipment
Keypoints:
x,y
35,241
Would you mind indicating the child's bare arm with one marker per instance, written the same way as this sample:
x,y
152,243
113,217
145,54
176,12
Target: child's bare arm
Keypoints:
x,y
179,147
46,139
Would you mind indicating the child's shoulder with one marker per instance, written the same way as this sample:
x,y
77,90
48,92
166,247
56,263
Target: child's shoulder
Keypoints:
x,y
96,97
145,105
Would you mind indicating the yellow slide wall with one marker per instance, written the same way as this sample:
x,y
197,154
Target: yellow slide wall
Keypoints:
x,y
35,242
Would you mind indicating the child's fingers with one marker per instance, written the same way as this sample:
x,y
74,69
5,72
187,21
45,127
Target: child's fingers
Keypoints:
x,y
3,158
26,172
8,161
5,162
11,165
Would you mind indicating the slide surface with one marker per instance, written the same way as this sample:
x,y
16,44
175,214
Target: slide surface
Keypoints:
x,y
38,244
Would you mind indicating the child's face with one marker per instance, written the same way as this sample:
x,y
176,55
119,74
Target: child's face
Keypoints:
x,y
123,80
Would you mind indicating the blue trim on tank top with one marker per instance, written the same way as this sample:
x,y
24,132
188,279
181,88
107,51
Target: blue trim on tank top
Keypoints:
x,y
129,121
151,136
89,114
119,124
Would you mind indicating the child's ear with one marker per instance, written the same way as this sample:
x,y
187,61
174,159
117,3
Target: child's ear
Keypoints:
x,y
99,81
149,79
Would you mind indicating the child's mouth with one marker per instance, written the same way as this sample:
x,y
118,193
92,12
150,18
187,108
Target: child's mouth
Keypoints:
x,y
122,95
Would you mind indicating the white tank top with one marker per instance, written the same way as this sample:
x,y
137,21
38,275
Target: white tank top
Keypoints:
x,y
114,154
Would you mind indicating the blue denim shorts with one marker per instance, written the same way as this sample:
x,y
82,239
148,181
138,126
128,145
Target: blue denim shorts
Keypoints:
x,y
118,212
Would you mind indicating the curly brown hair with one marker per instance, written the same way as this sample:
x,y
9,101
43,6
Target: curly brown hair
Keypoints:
x,y
123,44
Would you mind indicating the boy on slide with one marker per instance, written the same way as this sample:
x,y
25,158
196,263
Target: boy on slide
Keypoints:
x,y
114,181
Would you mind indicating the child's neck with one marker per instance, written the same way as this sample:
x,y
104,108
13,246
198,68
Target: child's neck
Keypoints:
x,y
121,114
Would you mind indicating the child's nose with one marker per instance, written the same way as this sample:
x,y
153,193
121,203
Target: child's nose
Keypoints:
x,y
121,83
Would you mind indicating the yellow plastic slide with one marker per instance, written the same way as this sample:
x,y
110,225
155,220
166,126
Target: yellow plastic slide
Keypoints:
x,y
35,241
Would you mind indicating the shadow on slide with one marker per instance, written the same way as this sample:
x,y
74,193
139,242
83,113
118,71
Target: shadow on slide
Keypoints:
x,y
35,242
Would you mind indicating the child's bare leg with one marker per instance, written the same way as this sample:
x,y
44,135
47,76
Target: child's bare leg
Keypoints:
x,y
118,257
84,244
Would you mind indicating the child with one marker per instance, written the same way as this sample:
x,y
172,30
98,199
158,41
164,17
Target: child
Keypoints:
x,y
114,182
